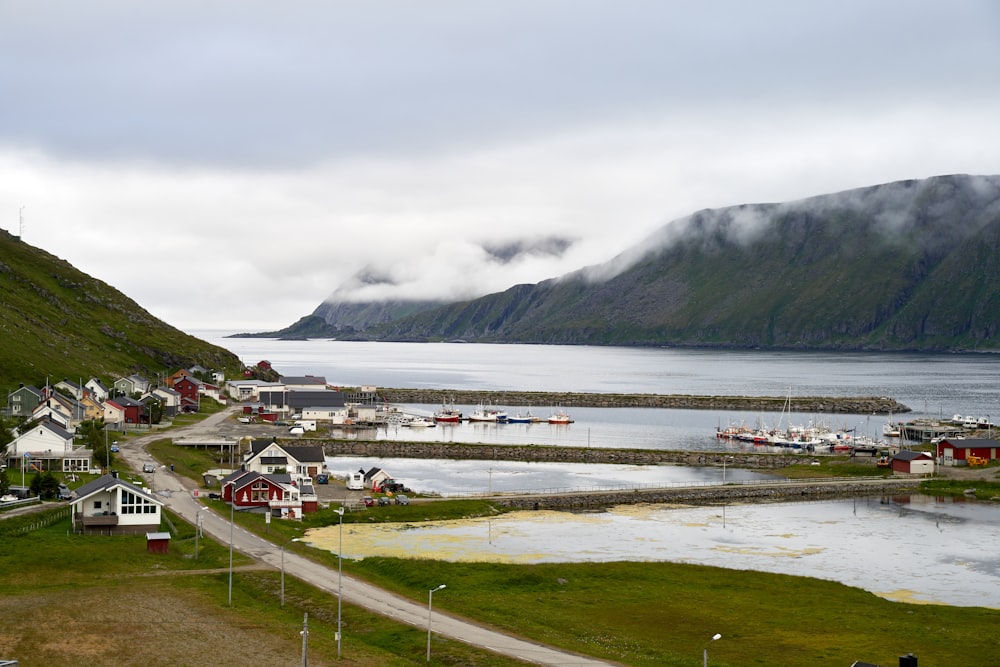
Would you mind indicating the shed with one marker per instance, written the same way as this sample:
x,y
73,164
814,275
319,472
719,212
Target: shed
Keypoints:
x,y
158,543
956,451
908,462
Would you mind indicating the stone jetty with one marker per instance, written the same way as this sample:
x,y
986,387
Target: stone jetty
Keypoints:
x,y
541,401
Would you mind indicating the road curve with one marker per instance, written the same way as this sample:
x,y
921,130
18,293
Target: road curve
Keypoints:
x,y
179,499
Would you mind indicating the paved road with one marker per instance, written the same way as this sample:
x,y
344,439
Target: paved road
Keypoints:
x,y
176,492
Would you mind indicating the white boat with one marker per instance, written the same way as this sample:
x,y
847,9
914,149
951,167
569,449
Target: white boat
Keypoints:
x,y
484,413
419,422
560,417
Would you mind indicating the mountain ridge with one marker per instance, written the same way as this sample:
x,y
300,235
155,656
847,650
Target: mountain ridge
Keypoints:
x,y
907,265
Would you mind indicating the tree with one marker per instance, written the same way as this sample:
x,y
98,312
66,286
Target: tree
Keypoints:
x,y
92,435
36,485
4,482
50,485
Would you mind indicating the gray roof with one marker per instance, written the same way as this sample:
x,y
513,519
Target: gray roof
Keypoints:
x,y
909,455
108,482
971,443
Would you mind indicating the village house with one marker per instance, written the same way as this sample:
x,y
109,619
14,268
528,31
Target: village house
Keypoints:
x,y
299,461
303,382
189,389
952,452
171,400
69,388
278,494
908,462
249,389
48,446
97,389
112,505
131,385
24,399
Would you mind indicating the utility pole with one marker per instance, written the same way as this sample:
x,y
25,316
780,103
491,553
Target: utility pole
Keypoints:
x,y
305,640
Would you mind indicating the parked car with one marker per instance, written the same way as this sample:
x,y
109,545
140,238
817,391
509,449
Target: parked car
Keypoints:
x,y
114,448
65,493
215,496
383,501
148,467
402,500
369,501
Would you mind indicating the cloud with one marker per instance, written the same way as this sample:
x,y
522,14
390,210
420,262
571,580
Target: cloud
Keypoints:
x,y
229,165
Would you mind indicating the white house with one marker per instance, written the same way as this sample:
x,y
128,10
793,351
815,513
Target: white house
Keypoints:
x,y
249,390
97,389
48,446
112,505
298,461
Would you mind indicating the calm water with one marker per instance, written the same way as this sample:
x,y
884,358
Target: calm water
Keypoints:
x,y
931,385
870,543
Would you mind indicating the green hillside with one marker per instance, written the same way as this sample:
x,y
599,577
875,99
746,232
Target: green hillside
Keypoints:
x,y
56,322
903,266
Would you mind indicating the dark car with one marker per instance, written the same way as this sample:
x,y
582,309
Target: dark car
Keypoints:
x,y
383,501
369,501
402,500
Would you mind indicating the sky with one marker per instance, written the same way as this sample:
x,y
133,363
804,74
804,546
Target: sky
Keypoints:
x,y
231,164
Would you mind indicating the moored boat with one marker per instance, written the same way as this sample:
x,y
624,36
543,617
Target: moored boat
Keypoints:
x,y
448,414
560,417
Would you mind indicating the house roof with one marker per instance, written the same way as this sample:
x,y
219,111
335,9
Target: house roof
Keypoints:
x,y
318,380
910,455
306,453
971,443
107,483
52,427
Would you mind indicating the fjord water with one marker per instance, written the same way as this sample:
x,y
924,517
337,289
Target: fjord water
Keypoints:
x,y
909,548
933,385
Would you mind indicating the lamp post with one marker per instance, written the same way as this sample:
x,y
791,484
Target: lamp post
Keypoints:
x,y
197,529
705,652
430,602
340,573
724,459
232,504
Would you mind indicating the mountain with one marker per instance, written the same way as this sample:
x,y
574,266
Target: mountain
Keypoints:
x,y
910,265
332,319
58,322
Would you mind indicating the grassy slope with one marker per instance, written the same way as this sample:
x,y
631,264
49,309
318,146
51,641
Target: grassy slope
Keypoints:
x,y
57,322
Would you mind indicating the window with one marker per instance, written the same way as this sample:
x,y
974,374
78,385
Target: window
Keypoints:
x,y
135,504
259,492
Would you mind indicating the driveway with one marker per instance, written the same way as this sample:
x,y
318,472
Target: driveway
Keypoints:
x,y
177,494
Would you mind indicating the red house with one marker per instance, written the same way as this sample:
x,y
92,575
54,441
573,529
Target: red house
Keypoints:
x,y
952,452
188,387
277,494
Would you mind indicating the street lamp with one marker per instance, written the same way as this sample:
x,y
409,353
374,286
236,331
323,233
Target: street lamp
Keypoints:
x,y
705,652
724,459
340,572
232,505
197,529
430,602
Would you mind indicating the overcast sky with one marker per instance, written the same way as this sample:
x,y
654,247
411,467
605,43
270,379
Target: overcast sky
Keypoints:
x,y
229,165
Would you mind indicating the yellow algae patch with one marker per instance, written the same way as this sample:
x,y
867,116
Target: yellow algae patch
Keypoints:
x,y
904,595
781,552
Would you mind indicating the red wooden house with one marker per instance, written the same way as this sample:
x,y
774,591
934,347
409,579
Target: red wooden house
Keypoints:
x,y
188,387
253,491
957,452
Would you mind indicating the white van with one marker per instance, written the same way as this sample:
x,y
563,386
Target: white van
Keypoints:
x,y
305,424
355,481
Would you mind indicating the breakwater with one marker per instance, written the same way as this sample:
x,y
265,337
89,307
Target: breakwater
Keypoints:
x,y
735,493
862,405
439,450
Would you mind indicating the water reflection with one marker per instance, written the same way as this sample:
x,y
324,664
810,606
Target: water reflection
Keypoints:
x,y
908,548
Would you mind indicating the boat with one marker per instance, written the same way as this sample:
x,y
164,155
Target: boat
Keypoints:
x,y
559,417
419,422
484,413
518,418
448,414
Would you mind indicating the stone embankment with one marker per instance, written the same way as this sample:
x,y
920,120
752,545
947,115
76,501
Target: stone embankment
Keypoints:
x,y
731,493
434,450
544,400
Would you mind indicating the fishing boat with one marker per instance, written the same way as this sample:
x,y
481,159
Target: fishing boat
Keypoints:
x,y
448,414
419,422
484,413
518,418
560,417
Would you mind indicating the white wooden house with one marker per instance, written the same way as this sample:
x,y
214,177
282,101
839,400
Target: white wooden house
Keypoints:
x,y
112,505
